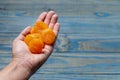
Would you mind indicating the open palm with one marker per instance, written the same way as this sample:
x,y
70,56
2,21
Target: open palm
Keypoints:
x,y
21,52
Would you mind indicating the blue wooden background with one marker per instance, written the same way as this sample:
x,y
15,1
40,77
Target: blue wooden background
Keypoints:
x,y
88,46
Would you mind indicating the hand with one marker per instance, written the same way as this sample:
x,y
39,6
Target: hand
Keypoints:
x,y
22,56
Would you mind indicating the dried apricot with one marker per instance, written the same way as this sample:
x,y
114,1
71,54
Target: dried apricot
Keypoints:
x,y
38,27
33,41
28,38
36,45
32,30
48,36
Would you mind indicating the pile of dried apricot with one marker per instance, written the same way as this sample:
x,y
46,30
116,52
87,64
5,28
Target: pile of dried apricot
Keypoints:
x,y
40,35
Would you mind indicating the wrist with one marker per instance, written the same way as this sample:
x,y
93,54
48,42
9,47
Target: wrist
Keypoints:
x,y
15,71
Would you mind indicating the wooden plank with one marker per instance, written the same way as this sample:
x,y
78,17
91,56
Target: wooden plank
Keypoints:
x,y
83,66
82,8
74,43
75,77
73,7
73,25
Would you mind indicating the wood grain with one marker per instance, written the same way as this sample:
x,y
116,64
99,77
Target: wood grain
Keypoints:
x,y
87,47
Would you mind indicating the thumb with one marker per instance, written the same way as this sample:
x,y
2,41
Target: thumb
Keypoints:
x,y
24,33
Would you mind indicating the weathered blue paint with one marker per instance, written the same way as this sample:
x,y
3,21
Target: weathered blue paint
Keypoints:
x,y
87,47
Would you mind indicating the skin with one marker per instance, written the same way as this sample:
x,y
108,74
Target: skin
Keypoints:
x,y
24,64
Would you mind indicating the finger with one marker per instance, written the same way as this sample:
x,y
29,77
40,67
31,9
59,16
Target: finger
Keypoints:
x,y
56,28
53,21
48,17
42,16
47,50
24,33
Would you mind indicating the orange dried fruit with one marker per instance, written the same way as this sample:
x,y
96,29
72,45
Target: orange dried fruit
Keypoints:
x,y
32,30
36,46
28,38
38,27
48,36
40,35
33,41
